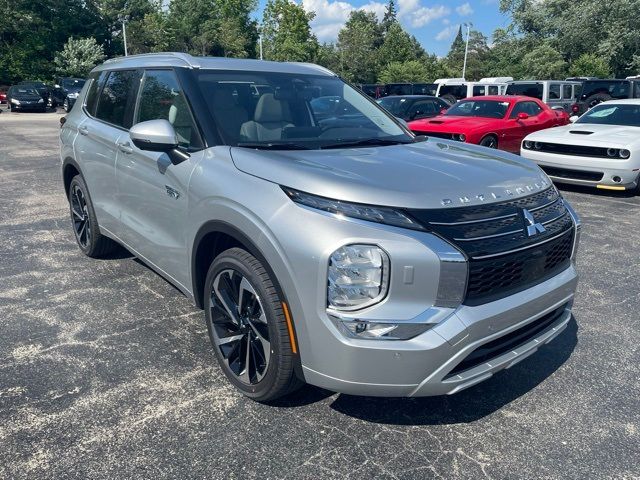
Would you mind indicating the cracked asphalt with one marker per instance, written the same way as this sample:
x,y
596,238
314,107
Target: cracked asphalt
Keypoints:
x,y
106,369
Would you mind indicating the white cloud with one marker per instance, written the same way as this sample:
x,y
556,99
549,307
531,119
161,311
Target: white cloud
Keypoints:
x,y
331,15
464,10
447,33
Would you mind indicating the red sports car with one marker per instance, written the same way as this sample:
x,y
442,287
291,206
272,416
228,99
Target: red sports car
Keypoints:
x,y
492,121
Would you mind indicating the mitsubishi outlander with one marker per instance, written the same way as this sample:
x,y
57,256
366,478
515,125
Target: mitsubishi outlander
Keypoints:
x,y
327,246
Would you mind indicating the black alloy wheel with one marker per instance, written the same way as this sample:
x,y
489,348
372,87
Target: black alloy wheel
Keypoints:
x,y
249,326
80,217
489,141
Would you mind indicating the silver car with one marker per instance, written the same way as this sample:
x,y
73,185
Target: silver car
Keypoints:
x,y
327,246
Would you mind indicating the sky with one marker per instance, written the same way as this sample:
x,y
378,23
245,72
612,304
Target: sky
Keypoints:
x,y
434,23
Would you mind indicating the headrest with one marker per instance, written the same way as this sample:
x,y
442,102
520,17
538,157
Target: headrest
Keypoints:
x,y
269,109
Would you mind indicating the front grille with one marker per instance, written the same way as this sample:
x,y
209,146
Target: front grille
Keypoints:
x,y
506,343
573,174
447,136
503,258
579,150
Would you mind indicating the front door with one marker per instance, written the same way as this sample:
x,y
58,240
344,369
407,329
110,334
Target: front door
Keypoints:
x,y
152,192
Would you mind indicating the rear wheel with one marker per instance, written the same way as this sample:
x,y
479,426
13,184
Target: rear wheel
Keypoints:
x,y
450,99
84,222
597,99
248,328
490,141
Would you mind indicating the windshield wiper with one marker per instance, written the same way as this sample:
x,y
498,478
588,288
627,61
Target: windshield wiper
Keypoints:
x,y
274,146
366,142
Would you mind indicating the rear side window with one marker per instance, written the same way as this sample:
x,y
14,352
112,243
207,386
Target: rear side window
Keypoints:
x,y
494,90
92,95
530,108
554,91
115,97
161,97
478,90
457,91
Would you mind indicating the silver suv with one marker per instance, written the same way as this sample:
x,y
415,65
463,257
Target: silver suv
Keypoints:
x,y
325,245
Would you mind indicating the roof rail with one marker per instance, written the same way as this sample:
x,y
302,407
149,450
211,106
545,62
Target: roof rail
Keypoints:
x,y
185,57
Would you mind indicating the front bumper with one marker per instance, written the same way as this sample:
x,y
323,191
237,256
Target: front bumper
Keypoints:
x,y
32,107
616,174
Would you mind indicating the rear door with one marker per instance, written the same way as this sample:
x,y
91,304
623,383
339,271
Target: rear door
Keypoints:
x,y
107,113
554,95
152,192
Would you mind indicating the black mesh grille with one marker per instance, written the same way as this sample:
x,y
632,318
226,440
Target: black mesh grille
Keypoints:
x,y
503,257
580,150
575,174
448,136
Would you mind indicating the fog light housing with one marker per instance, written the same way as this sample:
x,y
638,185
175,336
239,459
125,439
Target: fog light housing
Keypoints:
x,y
358,277
381,330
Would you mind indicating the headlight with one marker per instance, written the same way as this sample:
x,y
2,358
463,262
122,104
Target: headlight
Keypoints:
x,y
537,145
612,152
73,95
17,102
528,144
41,100
385,215
624,153
460,137
358,277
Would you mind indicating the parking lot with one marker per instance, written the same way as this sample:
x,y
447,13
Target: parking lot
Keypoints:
x,y
106,369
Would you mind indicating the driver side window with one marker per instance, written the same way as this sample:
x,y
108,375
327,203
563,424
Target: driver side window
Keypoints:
x,y
422,109
161,97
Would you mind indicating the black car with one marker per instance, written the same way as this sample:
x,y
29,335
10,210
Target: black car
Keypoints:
x,y
597,91
43,89
413,107
25,98
65,91
374,90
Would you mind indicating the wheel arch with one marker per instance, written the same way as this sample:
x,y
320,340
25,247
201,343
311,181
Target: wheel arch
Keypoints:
x,y
70,169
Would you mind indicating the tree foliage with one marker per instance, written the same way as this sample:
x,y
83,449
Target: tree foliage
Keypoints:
x,y
78,57
358,44
286,32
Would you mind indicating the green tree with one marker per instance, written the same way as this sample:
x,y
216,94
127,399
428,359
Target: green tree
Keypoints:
x,y
412,71
589,65
358,42
477,55
328,56
397,46
286,32
390,16
78,57
544,62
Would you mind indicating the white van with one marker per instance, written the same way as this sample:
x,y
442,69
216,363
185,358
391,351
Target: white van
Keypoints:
x,y
453,89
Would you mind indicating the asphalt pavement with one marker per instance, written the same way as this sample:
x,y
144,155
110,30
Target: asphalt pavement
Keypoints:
x,y
106,371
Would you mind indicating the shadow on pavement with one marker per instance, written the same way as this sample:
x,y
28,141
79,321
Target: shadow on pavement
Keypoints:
x,y
464,407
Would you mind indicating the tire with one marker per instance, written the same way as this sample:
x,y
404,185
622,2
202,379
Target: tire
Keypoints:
x,y
596,99
450,99
84,223
234,277
490,141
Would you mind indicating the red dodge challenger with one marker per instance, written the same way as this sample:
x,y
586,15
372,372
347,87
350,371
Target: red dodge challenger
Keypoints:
x,y
492,121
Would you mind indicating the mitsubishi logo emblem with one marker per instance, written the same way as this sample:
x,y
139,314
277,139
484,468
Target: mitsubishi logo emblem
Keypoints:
x,y
532,227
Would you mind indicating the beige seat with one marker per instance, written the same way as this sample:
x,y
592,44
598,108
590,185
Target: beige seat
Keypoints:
x,y
270,119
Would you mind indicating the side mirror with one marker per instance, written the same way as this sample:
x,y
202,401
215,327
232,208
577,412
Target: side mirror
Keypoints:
x,y
574,118
443,110
523,116
158,136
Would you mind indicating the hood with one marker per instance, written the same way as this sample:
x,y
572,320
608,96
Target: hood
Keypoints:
x,y
591,135
450,124
26,96
419,175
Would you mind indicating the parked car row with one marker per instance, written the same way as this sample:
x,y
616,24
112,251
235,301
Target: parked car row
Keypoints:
x,y
22,96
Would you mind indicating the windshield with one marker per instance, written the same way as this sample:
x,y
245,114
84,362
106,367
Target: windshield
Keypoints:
x,y
478,108
69,83
294,111
396,105
26,91
628,115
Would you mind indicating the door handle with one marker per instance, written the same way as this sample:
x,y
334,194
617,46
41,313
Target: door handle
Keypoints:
x,y
83,130
125,147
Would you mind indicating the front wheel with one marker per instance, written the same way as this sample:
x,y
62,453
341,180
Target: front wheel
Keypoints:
x,y
490,141
251,337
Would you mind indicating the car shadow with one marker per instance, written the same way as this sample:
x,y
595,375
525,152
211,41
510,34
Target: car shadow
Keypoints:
x,y
464,407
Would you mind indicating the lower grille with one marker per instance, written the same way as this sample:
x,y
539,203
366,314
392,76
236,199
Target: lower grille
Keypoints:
x,y
573,174
504,344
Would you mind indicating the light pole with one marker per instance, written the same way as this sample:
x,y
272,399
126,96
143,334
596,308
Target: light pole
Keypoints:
x,y
124,19
260,44
466,49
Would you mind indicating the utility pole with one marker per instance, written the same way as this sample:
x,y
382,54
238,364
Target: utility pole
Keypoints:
x,y
466,50
124,19
260,44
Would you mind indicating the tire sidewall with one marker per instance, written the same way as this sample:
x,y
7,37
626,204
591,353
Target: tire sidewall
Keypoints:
x,y
599,97
227,261
486,139
93,223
